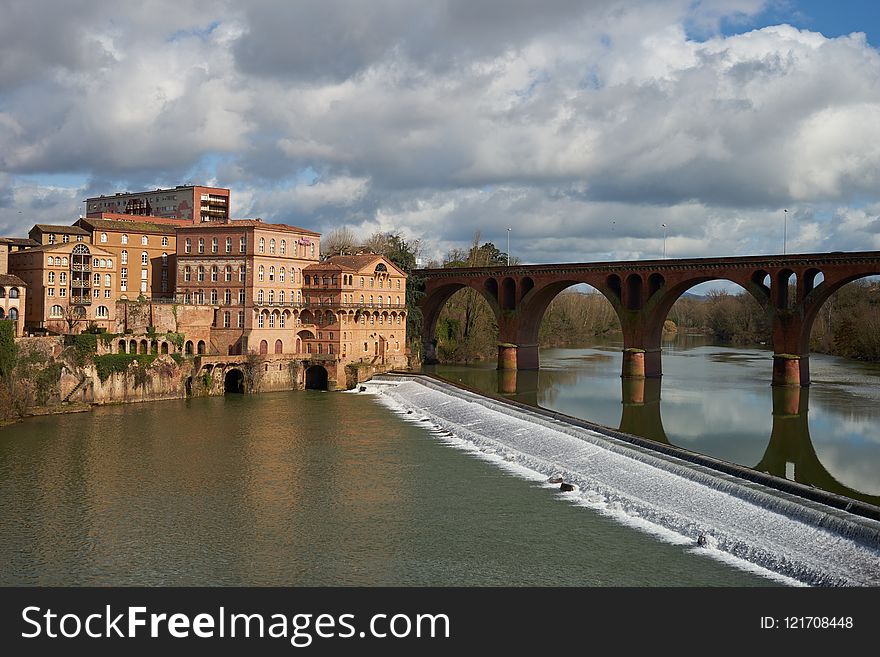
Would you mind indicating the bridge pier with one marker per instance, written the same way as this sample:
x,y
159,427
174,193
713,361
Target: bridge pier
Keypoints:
x,y
791,370
517,357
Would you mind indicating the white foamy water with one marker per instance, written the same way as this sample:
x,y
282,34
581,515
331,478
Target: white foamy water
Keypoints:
x,y
736,521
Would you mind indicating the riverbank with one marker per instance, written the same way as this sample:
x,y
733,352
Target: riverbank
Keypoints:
x,y
729,517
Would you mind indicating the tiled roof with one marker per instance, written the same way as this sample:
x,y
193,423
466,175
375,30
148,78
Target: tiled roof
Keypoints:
x,y
70,230
124,226
9,279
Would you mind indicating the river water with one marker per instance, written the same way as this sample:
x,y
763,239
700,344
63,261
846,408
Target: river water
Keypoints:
x,y
303,488
717,400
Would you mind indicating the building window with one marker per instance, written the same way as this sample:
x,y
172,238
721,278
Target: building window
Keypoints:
x,y
144,240
63,261
164,259
51,276
260,320
281,297
241,274
201,273
240,319
97,279
227,273
271,273
214,245
79,238
187,246
201,296
103,237
214,273
226,322
242,245
201,245
124,238
214,297
187,274
281,274
313,249
272,245
241,297
362,281
50,292
65,238
272,320
143,275
271,296
260,273
283,247
371,282
102,312
56,311
145,258
164,240
281,320
260,296
62,277
262,245
228,245
227,297
62,292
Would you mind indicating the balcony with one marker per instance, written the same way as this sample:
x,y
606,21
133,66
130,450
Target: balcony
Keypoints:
x,y
82,301
80,268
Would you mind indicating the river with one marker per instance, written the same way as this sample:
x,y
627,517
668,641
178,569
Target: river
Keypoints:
x,y
717,400
302,489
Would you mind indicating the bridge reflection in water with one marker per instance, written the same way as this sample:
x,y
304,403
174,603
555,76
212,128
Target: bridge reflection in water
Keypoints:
x,y
789,454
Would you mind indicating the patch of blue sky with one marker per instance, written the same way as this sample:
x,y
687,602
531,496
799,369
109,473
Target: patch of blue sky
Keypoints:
x,y
832,19
67,180
196,32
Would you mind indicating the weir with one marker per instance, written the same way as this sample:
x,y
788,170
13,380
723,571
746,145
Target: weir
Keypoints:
x,y
808,541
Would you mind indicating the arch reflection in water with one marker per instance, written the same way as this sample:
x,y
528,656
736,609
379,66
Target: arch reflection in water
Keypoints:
x,y
787,449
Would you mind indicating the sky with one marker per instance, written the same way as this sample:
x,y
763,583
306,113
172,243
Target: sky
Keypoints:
x,y
583,127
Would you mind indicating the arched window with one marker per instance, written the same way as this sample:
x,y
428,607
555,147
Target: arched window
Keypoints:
x,y
241,274
125,257
272,245
56,311
103,262
144,240
187,274
164,241
107,280
64,261
228,245
362,281
281,296
124,239
262,245
201,245
281,274
145,258
214,273
187,246
259,296
271,273
164,259
103,237
51,280
261,273
271,296
226,323
242,245
214,297
227,274
283,247
102,312
201,273
227,297
214,245
260,320
13,293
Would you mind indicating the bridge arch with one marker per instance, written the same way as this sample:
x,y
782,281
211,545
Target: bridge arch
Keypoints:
x,y
819,296
316,378
434,301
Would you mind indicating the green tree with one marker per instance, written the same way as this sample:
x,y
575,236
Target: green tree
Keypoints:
x,y
8,349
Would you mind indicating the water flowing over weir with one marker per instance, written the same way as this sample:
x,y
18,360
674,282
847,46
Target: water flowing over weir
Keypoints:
x,y
731,518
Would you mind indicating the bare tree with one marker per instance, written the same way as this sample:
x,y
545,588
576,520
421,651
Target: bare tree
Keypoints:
x,y
377,243
73,315
339,241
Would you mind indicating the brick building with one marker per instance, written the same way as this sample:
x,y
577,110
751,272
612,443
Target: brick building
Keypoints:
x,y
13,296
243,268
70,285
145,250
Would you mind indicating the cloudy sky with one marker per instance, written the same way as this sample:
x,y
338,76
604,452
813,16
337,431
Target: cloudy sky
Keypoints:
x,y
582,126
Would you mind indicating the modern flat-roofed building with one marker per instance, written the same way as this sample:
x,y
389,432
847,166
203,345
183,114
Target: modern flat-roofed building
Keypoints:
x,y
196,203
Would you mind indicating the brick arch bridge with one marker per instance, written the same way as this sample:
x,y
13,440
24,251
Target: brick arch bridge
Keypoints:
x,y
642,293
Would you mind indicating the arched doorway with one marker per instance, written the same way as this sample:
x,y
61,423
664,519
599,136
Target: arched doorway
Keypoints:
x,y
264,347
316,378
233,382
279,346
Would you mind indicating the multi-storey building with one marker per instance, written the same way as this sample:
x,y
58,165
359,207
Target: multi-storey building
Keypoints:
x,y
242,268
57,234
13,296
70,285
146,252
195,203
355,306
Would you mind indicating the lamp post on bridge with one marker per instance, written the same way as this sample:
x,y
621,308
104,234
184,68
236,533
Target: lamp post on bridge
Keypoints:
x,y
664,241
784,230
508,247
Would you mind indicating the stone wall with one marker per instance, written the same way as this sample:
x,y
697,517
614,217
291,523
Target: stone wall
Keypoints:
x,y
48,346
